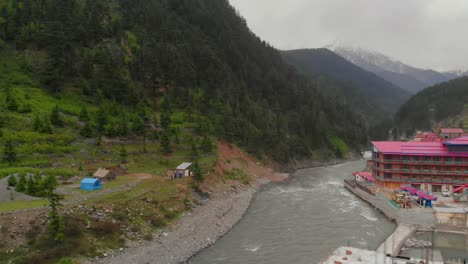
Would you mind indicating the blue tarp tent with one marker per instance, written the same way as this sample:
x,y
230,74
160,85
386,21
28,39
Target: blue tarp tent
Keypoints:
x,y
91,184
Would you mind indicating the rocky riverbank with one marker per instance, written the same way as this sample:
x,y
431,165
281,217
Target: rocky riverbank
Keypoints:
x,y
195,231
204,225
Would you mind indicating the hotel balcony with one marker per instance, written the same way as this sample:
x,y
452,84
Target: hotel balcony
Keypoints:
x,y
412,180
422,162
430,172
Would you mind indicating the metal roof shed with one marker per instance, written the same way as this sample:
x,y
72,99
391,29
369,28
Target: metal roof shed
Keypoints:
x,y
90,184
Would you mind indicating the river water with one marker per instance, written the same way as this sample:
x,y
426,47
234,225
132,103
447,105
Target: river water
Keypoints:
x,y
301,221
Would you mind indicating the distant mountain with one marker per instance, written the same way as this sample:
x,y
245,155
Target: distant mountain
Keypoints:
x,y
361,87
407,77
456,74
433,105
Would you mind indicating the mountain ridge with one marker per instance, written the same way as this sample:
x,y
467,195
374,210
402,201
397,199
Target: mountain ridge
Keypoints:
x,y
383,94
408,77
433,105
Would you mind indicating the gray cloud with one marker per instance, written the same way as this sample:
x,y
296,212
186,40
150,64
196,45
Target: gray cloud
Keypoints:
x,y
422,33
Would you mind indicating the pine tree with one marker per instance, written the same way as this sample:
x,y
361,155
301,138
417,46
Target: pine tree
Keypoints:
x,y
2,120
37,124
165,143
12,181
84,115
197,172
21,185
32,187
12,104
165,120
123,154
123,126
206,145
194,152
138,126
55,117
26,108
46,127
9,152
56,226
101,120
87,130
110,129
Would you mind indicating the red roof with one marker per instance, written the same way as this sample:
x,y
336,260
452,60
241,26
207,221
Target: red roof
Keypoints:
x,y
452,130
426,135
461,188
365,174
431,139
415,148
457,141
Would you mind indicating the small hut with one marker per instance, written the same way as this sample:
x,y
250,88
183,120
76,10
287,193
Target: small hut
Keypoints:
x,y
117,170
90,184
183,170
104,174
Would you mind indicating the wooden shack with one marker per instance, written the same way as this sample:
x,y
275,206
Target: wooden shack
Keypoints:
x,y
183,170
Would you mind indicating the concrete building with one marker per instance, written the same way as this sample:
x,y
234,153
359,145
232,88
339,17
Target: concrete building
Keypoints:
x,y
430,166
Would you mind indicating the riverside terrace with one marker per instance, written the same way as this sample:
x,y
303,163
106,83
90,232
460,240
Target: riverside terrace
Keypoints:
x,y
430,166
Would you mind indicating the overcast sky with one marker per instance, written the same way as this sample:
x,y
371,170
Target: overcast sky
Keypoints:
x,y
422,33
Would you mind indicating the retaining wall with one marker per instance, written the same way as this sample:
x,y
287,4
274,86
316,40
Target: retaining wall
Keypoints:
x,y
423,217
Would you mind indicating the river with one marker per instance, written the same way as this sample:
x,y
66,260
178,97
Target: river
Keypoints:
x,y
301,221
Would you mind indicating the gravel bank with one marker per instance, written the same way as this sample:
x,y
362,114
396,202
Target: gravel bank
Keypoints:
x,y
195,231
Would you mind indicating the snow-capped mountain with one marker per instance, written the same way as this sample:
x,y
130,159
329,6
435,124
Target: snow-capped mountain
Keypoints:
x,y
407,77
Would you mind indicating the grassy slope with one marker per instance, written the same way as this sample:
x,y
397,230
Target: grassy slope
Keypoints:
x,y
130,213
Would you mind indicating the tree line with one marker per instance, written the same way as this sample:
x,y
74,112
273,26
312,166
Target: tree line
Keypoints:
x,y
199,55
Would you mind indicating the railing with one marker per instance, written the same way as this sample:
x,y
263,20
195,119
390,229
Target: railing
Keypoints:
x,y
407,171
427,162
393,179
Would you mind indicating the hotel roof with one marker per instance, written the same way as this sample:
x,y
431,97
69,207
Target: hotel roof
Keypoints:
x,y
416,148
461,141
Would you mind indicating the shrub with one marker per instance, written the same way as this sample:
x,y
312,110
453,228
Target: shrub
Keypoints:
x,y
105,228
148,237
158,221
12,181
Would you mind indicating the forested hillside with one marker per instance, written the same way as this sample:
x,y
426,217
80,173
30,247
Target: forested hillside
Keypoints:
x,y
433,105
376,96
198,55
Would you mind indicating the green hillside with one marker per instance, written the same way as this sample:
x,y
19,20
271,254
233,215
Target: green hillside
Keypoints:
x,y
199,55
434,105
148,83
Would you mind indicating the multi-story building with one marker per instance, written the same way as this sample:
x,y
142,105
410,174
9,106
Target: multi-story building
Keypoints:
x,y
429,166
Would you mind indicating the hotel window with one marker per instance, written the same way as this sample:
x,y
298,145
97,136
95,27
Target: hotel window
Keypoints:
x,y
449,159
405,158
388,175
415,158
459,159
388,166
436,158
